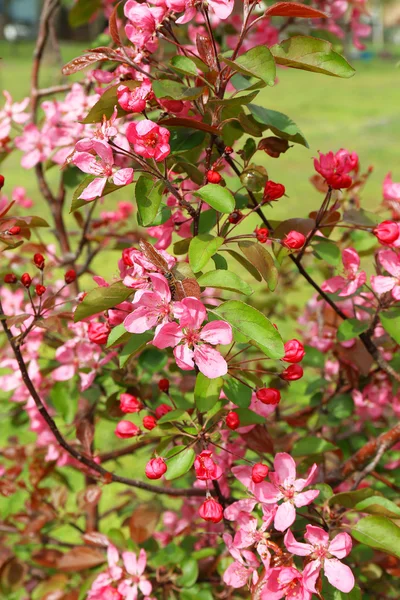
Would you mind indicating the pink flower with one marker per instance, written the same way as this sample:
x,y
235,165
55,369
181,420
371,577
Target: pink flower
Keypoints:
x,y
294,351
151,307
98,333
35,144
134,100
191,342
335,168
126,430
287,582
12,111
141,24
325,554
206,469
129,403
135,567
352,280
391,194
381,284
286,487
155,468
103,168
149,139
221,8
388,233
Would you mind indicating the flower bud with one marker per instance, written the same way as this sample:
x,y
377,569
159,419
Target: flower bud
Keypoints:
x,y
292,373
206,469
294,351
40,289
273,191
126,257
163,385
70,276
262,234
129,403
38,259
1,181
130,100
259,472
235,217
10,278
14,230
294,240
26,280
228,150
162,410
213,176
387,232
211,510
98,333
149,422
126,430
232,420
269,396
155,468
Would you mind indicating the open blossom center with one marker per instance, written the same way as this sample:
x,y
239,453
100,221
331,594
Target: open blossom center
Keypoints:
x,y
151,140
192,337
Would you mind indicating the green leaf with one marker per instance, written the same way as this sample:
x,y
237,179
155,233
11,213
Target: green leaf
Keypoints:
x,y
180,460
207,221
351,328
259,256
251,326
190,572
64,396
350,499
82,11
244,263
107,103
183,139
249,417
173,415
217,197
328,252
118,335
390,320
341,406
166,88
225,281
257,62
237,392
331,593
101,299
184,65
379,533
311,54
79,202
207,392
377,505
201,249
137,342
148,194
280,124
311,445
152,360
235,101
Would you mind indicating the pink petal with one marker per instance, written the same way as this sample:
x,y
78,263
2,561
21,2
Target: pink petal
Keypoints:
x,y
334,284
87,163
142,319
243,474
145,587
300,484
267,493
160,285
381,284
305,498
94,189
285,468
141,564
285,516
169,334
130,562
236,575
352,286
210,361
191,313
184,357
390,261
396,292
339,575
341,545
217,332
233,511
63,373
104,150
351,260
123,177
296,547
311,574
316,536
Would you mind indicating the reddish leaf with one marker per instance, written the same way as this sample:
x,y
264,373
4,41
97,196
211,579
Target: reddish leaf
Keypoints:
x,y
85,434
294,9
186,122
259,440
12,574
81,62
96,538
143,522
81,558
114,26
47,557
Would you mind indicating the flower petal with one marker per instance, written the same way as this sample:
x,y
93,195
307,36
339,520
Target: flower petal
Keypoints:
x,y
285,516
341,545
296,547
217,332
339,575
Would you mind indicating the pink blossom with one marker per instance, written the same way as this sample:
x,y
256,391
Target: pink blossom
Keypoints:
x,y
382,284
287,582
206,469
88,163
335,168
35,144
286,487
141,24
220,8
391,195
12,112
149,139
151,307
134,100
352,280
325,554
243,568
191,342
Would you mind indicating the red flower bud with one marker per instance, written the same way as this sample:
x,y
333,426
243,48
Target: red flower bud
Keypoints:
x,y
232,420
98,333
26,280
38,259
149,422
126,430
259,472
129,403
387,232
40,289
294,240
162,410
294,351
126,257
228,150
14,230
262,234
70,276
270,396
292,373
213,176
235,216
273,191
155,468
1,181
10,278
211,510
163,385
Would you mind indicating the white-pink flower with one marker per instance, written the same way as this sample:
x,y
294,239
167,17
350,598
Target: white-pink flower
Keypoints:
x,y
102,167
381,284
137,581
191,341
152,307
325,555
149,139
352,279
391,194
12,111
286,487
35,144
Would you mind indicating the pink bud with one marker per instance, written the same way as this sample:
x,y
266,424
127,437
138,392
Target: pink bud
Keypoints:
x,y
155,468
259,472
292,373
98,333
269,396
162,410
232,420
129,403
211,510
387,232
126,430
149,422
294,240
294,351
